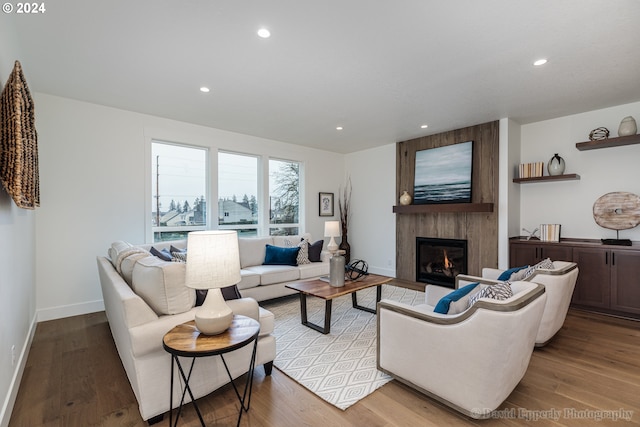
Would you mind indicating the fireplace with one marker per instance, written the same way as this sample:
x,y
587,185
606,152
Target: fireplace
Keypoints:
x,y
439,261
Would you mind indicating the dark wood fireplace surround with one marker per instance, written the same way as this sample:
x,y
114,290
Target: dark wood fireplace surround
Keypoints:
x,y
477,222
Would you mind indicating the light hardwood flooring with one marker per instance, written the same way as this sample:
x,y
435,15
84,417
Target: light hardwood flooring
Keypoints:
x,y
73,377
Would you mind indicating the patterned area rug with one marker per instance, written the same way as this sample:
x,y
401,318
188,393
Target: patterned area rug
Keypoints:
x,y
339,367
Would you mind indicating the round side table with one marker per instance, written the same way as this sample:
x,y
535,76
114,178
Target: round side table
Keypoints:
x,y
186,340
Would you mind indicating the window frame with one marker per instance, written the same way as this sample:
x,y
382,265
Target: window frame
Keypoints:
x,y
150,228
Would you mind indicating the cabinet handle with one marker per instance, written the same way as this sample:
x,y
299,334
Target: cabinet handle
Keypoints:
x,y
606,258
613,258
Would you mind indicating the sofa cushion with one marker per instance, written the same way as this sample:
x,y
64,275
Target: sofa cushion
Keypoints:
x,y
270,274
249,279
315,249
313,269
252,250
276,255
127,264
446,304
161,285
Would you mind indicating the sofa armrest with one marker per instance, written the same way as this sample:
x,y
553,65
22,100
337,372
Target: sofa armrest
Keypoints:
x,y
245,307
464,279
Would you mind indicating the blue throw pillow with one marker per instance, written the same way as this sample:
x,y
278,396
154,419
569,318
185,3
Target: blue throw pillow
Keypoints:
x,y
276,255
506,275
443,305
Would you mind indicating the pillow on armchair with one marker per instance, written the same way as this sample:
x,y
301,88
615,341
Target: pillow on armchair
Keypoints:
x,y
457,301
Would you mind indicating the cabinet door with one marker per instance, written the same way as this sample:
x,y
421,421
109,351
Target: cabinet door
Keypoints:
x,y
522,254
556,253
592,287
625,281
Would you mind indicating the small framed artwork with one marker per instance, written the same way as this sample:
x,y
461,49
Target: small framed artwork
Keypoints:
x,y
325,204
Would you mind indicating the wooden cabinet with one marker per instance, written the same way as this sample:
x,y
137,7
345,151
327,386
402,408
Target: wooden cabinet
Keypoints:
x,y
592,287
529,252
609,277
625,281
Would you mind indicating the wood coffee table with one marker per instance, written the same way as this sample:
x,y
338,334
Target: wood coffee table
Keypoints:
x,y
321,289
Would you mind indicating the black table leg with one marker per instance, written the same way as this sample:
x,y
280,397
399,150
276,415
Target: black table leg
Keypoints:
x,y
354,300
327,315
187,388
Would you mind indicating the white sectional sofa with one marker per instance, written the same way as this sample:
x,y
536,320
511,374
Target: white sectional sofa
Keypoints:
x,y
145,296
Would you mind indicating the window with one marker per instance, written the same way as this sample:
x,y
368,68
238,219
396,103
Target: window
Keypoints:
x,y
179,185
284,197
238,202
240,206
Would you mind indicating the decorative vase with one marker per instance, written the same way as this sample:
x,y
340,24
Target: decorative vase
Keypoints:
x,y
555,165
405,198
336,270
627,127
345,246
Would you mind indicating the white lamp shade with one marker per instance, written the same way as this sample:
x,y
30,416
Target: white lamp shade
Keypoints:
x,y
213,259
332,228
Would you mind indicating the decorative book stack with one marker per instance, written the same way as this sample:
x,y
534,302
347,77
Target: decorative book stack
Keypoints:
x,y
550,232
531,170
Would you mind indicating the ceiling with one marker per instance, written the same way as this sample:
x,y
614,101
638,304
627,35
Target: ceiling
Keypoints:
x,y
378,69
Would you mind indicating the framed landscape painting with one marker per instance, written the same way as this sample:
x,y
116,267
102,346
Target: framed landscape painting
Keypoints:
x,y
443,174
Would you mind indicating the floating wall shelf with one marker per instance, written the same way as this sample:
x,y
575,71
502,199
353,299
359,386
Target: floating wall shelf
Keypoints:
x,y
567,177
445,207
609,142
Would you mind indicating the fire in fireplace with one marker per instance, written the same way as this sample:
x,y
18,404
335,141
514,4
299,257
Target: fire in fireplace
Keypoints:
x,y
439,261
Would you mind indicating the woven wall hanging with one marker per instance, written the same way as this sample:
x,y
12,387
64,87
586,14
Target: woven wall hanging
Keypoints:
x,y
19,142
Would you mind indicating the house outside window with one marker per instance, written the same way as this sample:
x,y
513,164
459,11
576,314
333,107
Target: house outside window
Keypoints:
x,y
179,186
240,206
238,197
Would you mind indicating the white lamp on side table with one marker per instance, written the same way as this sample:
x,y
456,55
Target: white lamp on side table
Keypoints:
x,y
213,262
332,229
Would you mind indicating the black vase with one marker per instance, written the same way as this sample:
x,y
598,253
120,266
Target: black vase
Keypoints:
x,y
344,246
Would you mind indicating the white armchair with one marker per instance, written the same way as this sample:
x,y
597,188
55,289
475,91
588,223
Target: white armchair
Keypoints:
x,y
559,283
470,361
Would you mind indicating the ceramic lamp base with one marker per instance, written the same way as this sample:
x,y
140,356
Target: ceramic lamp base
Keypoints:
x,y
214,316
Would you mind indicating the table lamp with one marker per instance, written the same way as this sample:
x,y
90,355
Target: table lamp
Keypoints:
x,y
332,229
213,262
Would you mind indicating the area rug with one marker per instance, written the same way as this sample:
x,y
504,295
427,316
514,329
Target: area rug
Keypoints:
x,y
339,367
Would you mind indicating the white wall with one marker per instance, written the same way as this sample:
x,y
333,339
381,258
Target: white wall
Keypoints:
x,y
372,229
17,276
509,192
601,171
92,170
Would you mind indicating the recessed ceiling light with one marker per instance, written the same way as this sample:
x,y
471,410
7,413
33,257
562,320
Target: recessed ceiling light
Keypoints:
x,y
540,62
339,127
204,89
264,33
424,126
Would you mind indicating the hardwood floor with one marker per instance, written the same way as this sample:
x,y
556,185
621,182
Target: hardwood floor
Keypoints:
x,y
73,377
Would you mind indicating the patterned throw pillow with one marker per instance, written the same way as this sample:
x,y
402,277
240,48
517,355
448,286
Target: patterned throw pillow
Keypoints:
x,y
545,264
499,291
179,256
303,253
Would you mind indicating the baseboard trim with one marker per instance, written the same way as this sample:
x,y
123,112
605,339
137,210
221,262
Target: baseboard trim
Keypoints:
x,y
10,400
63,311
